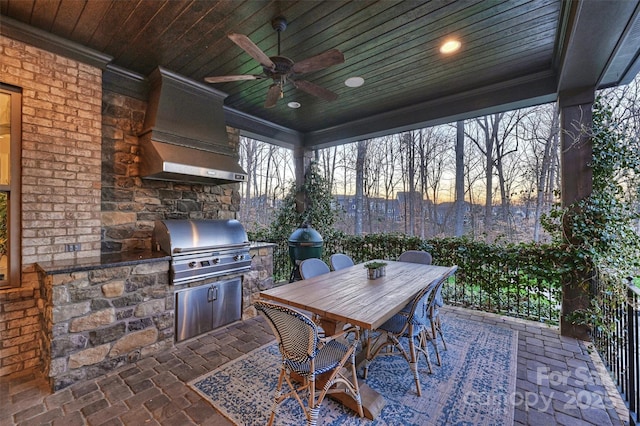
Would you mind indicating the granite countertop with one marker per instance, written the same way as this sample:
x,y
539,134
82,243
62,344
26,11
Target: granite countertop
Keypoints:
x,y
260,244
106,260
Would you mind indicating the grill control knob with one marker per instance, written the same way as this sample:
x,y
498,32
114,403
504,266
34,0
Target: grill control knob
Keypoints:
x,y
215,260
238,257
193,264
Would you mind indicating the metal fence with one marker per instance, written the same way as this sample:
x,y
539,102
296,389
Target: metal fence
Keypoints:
x,y
617,339
505,280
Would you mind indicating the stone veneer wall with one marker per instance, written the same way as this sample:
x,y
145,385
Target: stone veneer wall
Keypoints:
x,y
61,151
131,205
258,279
104,318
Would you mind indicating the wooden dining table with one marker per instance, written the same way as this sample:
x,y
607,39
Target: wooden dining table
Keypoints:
x,y
348,296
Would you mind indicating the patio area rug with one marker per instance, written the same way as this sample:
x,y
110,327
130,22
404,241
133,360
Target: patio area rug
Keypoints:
x,y
474,386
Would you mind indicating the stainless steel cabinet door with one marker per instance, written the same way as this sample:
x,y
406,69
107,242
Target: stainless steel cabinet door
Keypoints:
x,y
204,308
227,304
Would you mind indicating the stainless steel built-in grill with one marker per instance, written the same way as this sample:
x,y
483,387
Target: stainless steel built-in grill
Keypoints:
x,y
202,249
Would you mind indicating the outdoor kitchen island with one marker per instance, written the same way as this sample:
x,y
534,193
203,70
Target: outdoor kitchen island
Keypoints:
x,y
102,313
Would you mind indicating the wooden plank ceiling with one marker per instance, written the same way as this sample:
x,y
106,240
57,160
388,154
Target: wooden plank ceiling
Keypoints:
x,y
393,45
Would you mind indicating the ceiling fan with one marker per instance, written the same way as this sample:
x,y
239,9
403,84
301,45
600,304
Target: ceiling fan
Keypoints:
x,y
282,69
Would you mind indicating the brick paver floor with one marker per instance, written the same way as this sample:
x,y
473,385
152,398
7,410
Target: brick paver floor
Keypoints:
x,y
561,381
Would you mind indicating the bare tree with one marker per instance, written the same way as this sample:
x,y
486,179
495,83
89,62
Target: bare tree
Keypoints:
x,y
550,141
474,172
485,141
328,163
360,160
248,161
459,203
388,177
407,165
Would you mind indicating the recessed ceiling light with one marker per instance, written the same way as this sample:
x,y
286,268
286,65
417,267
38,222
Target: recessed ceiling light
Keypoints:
x,y
354,81
293,105
450,46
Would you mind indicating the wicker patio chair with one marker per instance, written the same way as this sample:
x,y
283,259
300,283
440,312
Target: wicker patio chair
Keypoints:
x,y
310,268
313,267
308,356
339,261
411,323
416,256
433,312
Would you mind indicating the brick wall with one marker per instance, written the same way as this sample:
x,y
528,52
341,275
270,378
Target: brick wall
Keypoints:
x,y
61,151
61,144
19,330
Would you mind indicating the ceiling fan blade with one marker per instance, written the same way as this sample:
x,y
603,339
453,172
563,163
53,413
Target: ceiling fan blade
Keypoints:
x,y
254,51
318,62
227,78
314,90
273,95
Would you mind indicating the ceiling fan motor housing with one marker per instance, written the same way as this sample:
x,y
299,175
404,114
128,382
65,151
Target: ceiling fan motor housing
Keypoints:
x,y
279,23
280,68
283,67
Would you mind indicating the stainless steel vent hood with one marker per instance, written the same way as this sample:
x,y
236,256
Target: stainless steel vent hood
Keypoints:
x,y
185,136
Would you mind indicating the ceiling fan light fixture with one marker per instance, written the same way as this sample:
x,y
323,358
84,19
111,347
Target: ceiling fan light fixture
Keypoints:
x,y
354,82
294,105
450,46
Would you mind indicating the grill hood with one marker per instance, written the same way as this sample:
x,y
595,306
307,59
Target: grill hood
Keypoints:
x,y
185,136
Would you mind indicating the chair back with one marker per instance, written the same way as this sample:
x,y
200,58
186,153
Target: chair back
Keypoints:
x,y
313,267
437,301
296,334
417,308
416,256
340,261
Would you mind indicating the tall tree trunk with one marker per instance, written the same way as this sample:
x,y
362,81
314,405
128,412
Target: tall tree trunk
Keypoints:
x,y
423,157
411,155
360,157
546,172
488,207
459,209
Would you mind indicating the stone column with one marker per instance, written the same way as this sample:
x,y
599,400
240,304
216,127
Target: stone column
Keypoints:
x,y
577,183
302,157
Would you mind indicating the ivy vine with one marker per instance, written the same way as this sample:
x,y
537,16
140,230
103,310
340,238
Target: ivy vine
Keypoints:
x,y
318,212
600,230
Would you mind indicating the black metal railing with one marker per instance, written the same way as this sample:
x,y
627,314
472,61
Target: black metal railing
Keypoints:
x,y
617,338
505,280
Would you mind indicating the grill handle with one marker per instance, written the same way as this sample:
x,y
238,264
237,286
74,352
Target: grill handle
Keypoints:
x,y
212,294
228,247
